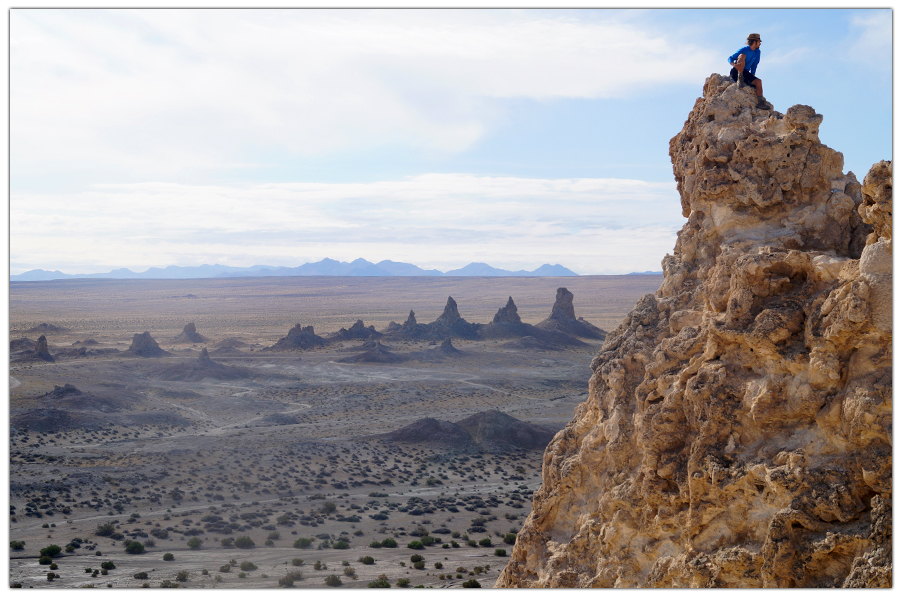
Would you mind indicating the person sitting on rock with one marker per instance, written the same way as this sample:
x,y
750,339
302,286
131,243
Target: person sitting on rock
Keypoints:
x,y
744,62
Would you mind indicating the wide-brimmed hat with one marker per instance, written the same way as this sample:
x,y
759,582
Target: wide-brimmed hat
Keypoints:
x,y
754,37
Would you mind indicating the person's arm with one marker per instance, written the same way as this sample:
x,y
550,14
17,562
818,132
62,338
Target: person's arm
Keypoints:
x,y
734,56
755,64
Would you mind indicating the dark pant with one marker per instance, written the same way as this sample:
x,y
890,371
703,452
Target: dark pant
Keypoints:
x,y
748,78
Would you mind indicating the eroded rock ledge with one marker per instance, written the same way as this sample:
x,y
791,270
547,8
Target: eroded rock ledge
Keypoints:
x,y
738,428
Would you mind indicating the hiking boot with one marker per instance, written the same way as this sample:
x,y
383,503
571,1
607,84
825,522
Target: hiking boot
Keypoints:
x,y
762,104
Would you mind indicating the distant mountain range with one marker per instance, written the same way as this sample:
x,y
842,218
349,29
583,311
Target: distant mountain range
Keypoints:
x,y
326,267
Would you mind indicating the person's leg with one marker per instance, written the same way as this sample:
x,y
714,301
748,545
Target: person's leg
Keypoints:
x,y
758,84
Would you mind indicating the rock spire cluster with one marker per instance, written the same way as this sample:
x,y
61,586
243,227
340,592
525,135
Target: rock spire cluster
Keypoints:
x,y
738,427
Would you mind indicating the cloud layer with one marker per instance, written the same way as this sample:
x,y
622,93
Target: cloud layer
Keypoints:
x,y
158,92
439,221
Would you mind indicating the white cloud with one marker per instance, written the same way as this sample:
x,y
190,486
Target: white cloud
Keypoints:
x,y
160,91
442,221
871,37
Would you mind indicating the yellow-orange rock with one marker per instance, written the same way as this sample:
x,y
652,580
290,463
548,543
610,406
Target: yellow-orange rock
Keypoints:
x,y
738,428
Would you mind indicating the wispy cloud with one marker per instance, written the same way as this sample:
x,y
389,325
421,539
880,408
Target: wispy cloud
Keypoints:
x,y
154,92
442,221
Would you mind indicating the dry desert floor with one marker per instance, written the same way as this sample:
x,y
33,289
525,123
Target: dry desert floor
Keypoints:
x,y
276,466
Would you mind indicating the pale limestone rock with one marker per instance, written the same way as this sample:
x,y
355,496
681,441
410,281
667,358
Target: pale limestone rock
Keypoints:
x,y
738,427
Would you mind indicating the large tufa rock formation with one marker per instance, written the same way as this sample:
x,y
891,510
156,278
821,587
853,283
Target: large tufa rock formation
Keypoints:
x,y
189,334
359,331
298,338
42,350
562,318
508,314
202,368
145,346
738,428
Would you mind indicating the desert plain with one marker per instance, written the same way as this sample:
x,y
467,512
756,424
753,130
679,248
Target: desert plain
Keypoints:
x,y
225,462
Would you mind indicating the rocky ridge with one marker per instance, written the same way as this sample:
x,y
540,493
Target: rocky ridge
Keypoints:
x,y
738,427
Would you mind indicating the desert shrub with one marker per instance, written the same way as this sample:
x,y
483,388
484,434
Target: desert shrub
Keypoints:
x,y
427,540
404,582
381,582
105,530
472,542
168,556
340,545
225,568
247,565
132,547
303,543
54,566
194,543
45,560
328,507
415,545
375,544
420,565
98,553
472,584
182,576
244,542
367,560
242,575
167,584
226,542
439,565
17,545
389,542
416,558
318,565
509,538
51,550
297,562
333,580
141,575
486,542
499,552
104,571
290,578
349,571
204,572
70,548
108,565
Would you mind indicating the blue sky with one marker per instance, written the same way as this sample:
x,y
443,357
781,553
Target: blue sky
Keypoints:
x,y
514,137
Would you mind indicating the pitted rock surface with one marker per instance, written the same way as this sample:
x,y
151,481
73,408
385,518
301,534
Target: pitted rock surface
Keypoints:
x,y
738,427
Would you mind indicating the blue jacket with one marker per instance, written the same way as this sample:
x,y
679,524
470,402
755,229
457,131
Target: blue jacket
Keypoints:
x,y
751,59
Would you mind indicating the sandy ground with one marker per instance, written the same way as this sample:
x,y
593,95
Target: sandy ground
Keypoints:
x,y
289,455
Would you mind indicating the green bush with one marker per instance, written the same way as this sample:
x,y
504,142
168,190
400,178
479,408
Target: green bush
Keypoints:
x,y
244,542
141,575
403,582
485,543
499,552
247,565
389,542
108,565
420,565
132,547
297,562
340,545
17,545
290,578
70,548
53,566
168,556
367,560
472,584
242,575
303,543
427,540
375,544
439,565
51,550
105,530
226,542
349,571
194,543
225,568
182,576
415,545
509,539
45,560
333,580
381,582
416,558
